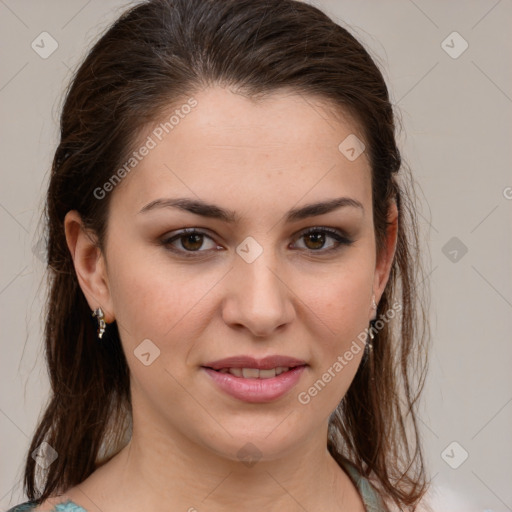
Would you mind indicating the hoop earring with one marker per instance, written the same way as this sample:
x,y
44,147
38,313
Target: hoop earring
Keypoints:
x,y
102,325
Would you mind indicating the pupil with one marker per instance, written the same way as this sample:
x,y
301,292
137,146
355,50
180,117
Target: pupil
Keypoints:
x,y
318,239
194,240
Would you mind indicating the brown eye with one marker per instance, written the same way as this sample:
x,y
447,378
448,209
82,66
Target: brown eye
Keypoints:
x,y
315,240
189,241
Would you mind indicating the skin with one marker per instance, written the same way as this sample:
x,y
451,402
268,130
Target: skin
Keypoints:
x,y
259,159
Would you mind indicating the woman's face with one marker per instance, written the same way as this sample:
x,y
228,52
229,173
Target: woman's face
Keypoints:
x,y
250,283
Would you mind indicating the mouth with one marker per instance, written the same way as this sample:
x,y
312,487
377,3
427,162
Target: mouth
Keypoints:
x,y
253,384
255,373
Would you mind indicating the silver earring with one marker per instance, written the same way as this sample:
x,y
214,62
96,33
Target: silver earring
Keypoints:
x,y
369,338
98,313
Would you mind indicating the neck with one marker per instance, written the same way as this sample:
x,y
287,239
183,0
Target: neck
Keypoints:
x,y
159,471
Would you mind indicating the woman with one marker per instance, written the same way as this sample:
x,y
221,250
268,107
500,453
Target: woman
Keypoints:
x,y
233,308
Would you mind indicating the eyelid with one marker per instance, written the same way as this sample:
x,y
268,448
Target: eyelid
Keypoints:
x,y
332,231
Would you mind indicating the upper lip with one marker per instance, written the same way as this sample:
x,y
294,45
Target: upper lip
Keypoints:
x,y
250,362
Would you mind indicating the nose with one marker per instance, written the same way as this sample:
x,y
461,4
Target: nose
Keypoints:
x,y
258,297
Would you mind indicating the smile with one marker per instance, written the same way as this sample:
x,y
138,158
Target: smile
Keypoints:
x,y
253,384
254,373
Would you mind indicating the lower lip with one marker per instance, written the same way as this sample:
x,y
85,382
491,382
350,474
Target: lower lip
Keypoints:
x,y
256,390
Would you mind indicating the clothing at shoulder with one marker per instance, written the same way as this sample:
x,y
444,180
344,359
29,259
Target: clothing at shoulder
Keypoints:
x,y
68,506
371,499
22,507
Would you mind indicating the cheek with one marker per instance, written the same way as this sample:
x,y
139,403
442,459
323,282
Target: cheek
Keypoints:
x,y
342,303
342,311
156,300
159,313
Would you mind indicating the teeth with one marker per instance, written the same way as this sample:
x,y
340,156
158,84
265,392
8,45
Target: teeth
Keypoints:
x,y
254,373
250,373
267,374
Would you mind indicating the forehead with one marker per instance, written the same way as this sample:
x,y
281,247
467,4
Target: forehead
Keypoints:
x,y
283,146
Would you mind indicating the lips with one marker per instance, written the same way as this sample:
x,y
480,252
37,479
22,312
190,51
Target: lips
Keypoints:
x,y
266,363
255,380
254,373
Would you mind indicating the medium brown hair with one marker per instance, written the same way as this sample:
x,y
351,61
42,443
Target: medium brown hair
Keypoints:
x,y
155,54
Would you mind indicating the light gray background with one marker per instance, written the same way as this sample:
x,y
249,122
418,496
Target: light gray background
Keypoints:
x,y
456,115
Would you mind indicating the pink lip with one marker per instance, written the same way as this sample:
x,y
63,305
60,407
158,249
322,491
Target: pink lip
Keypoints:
x,y
256,390
250,362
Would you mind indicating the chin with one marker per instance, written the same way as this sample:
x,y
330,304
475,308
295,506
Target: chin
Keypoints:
x,y
252,448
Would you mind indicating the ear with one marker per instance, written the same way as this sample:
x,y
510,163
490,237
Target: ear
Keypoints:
x,y
387,254
89,264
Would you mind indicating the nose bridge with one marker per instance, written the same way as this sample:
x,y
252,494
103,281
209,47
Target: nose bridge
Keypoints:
x,y
259,299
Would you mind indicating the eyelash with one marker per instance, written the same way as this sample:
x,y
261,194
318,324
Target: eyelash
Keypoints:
x,y
341,241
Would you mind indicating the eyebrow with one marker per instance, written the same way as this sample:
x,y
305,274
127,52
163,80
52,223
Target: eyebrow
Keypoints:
x,y
199,207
